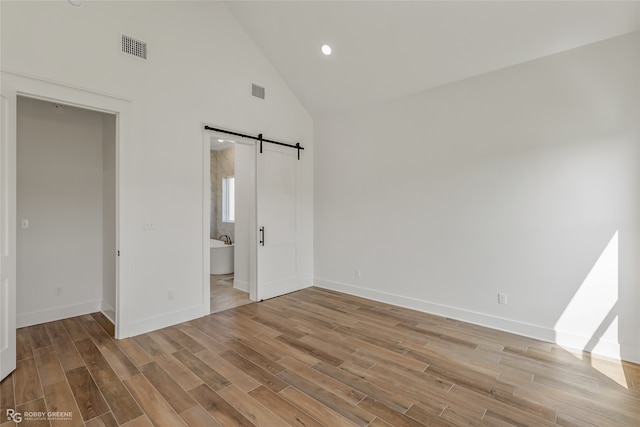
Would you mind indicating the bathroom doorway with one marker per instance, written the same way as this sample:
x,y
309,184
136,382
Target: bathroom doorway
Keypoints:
x,y
66,212
230,182
268,175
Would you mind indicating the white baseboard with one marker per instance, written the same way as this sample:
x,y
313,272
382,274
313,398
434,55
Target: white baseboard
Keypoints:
x,y
147,325
58,313
601,348
106,307
109,314
241,285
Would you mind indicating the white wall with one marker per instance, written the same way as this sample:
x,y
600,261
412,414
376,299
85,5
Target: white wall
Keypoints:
x,y
521,181
60,192
109,231
200,69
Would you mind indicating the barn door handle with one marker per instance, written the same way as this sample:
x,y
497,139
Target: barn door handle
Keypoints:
x,y
262,236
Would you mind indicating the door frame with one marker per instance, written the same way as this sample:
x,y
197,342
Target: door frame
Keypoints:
x,y
206,211
16,84
256,287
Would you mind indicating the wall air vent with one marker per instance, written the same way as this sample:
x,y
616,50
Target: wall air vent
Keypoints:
x,y
257,91
134,47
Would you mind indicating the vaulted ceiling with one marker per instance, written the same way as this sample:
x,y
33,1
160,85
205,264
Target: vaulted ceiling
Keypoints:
x,y
388,49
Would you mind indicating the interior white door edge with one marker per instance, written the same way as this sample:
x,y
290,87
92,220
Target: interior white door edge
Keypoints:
x,y
7,233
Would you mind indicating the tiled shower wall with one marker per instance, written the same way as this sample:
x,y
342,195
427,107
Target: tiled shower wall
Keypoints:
x,y
222,165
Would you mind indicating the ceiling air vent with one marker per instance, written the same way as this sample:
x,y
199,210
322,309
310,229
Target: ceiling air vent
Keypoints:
x,y
134,47
257,91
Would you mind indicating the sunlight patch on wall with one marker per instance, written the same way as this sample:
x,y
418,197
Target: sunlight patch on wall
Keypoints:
x,y
592,303
590,320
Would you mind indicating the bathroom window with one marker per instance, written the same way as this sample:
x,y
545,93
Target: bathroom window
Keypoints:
x,y
229,199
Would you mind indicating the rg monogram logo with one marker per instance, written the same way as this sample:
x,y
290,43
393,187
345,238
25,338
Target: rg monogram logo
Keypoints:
x,y
14,416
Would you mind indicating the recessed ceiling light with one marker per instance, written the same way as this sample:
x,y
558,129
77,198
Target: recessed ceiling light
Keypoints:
x,y
76,3
326,49
221,140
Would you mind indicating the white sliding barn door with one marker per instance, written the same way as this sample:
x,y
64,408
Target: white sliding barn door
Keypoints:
x,y
7,235
277,221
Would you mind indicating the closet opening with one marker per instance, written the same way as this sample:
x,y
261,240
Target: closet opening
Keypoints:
x,y
66,212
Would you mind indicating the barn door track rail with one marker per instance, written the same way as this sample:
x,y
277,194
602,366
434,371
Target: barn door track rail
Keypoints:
x,y
258,138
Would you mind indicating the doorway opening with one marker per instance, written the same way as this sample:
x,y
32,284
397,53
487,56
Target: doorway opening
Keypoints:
x,y
231,189
66,212
269,211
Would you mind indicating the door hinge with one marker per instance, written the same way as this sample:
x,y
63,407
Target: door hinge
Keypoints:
x,y
118,253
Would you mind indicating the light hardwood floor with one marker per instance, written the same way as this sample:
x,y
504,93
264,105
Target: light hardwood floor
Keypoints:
x,y
311,358
223,295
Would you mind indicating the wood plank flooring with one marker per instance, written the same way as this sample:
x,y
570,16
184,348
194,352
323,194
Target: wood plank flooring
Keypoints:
x,y
223,295
312,358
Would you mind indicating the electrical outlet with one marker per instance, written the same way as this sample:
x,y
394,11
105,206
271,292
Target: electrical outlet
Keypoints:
x,y
24,223
148,224
357,273
58,291
170,295
502,298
